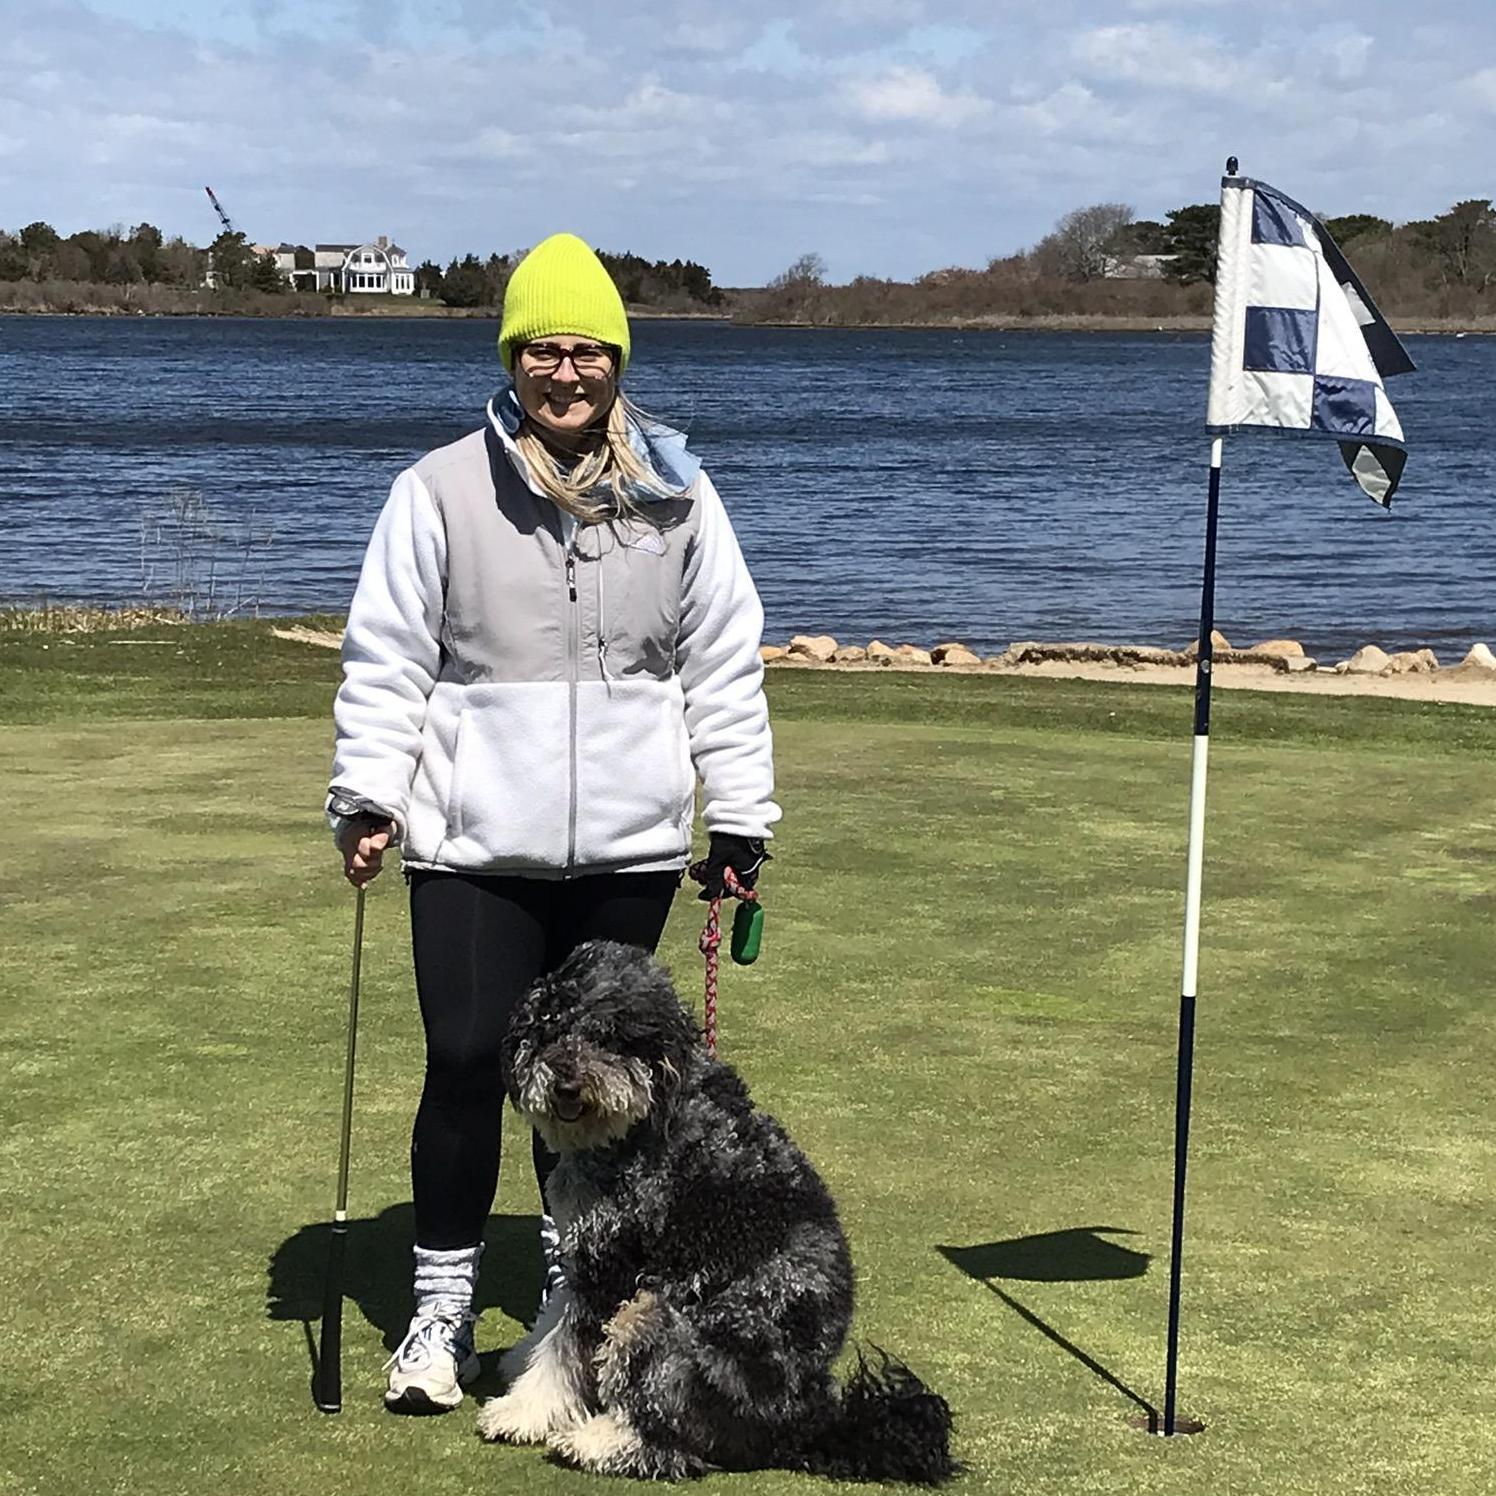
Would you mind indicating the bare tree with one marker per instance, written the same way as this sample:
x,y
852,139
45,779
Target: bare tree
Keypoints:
x,y
1085,242
809,270
796,294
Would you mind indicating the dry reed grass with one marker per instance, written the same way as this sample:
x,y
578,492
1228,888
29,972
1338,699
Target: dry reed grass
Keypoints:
x,y
71,619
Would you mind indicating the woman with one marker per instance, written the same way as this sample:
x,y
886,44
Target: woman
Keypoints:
x,y
552,626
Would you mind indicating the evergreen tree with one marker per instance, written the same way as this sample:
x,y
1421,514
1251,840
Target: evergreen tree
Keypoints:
x,y
1357,226
1193,235
464,283
231,261
265,276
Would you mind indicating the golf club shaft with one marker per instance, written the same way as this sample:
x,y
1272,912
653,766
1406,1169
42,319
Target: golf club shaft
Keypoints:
x,y
328,1390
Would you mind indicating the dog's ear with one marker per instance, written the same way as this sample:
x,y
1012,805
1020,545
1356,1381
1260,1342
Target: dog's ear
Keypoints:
x,y
680,1041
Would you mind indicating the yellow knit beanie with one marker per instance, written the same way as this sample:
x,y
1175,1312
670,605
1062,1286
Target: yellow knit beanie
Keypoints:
x,y
561,286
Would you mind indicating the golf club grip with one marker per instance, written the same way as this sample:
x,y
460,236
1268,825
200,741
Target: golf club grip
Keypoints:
x,y
327,1389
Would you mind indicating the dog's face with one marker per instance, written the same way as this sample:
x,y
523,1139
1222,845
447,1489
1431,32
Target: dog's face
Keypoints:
x,y
597,1045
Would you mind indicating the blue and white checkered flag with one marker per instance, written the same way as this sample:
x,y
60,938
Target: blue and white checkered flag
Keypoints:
x,y
1297,344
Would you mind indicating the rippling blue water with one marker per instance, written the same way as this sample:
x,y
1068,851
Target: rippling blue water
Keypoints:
x,y
910,485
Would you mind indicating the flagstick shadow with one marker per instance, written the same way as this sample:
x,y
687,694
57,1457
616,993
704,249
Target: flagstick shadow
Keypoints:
x,y
1070,1348
1078,1254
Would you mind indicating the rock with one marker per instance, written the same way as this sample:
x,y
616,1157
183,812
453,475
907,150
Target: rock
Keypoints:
x,y
1283,648
771,652
880,651
1429,658
1480,658
849,654
954,654
818,647
1296,664
1029,653
912,654
1218,641
1368,660
1404,662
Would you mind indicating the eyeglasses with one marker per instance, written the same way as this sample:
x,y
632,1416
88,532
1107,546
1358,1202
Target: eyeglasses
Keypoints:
x,y
588,359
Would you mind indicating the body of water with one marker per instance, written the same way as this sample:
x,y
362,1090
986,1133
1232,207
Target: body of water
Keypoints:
x,y
909,485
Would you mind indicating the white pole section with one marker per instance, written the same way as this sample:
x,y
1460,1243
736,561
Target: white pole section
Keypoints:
x,y
1195,866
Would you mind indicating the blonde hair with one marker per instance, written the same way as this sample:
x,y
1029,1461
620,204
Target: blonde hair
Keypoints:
x,y
609,461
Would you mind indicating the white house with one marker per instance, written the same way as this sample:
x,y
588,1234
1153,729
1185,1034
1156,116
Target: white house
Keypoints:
x,y
378,267
1137,267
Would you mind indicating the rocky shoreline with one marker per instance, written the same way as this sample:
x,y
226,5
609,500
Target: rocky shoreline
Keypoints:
x,y
1272,664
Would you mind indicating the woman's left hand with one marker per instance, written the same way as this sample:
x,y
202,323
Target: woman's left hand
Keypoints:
x,y
744,855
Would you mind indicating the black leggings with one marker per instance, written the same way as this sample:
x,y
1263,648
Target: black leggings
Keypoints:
x,y
479,943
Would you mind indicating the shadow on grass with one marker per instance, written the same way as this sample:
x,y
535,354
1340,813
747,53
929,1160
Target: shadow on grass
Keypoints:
x,y
377,1274
1079,1255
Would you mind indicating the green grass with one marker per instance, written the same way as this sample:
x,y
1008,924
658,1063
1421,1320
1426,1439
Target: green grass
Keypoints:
x,y
965,1012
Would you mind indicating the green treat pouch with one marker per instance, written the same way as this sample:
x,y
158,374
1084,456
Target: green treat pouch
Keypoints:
x,y
747,932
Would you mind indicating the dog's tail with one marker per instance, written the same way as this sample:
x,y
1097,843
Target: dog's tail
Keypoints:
x,y
887,1426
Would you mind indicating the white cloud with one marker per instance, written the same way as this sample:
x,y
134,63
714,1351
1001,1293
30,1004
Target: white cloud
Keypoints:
x,y
1349,55
1071,109
495,144
913,96
1481,87
1158,55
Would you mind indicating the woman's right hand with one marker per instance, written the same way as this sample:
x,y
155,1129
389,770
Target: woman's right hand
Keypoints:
x,y
362,842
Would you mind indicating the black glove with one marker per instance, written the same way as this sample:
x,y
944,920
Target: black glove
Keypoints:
x,y
744,856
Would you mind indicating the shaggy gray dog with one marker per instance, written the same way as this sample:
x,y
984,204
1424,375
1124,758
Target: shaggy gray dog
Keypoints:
x,y
710,1284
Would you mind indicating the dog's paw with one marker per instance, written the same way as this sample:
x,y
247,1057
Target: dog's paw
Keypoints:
x,y
633,1318
513,1420
605,1444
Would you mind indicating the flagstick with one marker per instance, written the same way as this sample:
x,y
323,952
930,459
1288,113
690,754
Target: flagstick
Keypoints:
x,y
1196,864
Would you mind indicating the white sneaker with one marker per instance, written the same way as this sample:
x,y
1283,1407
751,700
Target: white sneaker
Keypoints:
x,y
431,1364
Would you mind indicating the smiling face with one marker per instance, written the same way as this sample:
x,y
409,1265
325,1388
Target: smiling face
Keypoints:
x,y
566,384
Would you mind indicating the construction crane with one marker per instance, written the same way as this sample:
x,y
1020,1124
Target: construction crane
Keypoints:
x,y
223,217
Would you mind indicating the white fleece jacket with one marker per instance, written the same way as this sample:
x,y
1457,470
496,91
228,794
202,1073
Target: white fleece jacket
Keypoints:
x,y
518,698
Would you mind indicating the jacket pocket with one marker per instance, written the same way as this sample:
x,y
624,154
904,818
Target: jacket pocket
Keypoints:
x,y
635,784
639,600
509,796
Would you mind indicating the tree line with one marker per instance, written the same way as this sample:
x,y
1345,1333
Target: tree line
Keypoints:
x,y
144,256
1102,260
107,256
672,285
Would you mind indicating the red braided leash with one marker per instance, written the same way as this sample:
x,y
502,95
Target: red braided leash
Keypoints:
x,y
711,941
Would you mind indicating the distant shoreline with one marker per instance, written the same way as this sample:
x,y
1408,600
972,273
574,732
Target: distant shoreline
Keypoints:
x,y
1045,322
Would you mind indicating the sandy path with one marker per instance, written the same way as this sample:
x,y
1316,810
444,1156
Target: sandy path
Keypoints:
x,y
1473,687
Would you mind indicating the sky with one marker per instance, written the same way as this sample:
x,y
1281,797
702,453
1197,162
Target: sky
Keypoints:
x,y
891,137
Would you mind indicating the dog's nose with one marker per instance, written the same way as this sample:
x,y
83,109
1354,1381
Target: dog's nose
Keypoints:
x,y
567,1090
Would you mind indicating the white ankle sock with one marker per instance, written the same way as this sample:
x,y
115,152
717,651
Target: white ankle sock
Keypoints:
x,y
555,1262
446,1280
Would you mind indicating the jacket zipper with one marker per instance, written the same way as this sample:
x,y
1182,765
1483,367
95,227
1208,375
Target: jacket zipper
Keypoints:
x,y
573,652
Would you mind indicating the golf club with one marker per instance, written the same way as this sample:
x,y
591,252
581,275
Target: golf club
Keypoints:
x,y
327,1378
